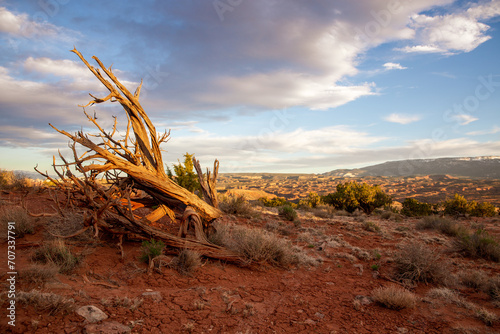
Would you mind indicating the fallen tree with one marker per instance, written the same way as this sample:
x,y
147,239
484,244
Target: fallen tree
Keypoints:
x,y
120,175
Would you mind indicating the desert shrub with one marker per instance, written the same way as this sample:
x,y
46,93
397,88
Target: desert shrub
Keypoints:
x,y
288,213
394,298
185,175
442,224
23,222
151,249
479,244
187,261
236,205
371,226
352,195
484,209
273,202
414,208
313,200
489,318
417,262
492,288
39,273
56,252
458,205
258,246
46,301
455,206
473,279
450,296
10,180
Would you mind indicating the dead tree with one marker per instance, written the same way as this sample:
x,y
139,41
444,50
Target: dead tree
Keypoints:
x,y
113,169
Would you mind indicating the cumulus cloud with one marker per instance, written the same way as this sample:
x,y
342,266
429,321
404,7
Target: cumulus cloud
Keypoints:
x,y
452,33
394,66
402,118
21,25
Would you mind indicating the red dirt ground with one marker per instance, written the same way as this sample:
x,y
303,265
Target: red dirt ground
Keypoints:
x,y
223,298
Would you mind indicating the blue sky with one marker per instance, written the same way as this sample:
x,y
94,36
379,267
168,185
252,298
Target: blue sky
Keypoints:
x,y
281,86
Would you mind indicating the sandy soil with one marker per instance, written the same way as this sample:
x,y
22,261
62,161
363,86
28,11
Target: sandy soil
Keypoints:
x,y
223,298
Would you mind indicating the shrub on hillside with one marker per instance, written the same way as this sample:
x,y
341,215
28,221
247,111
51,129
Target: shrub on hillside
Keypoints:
x,y
236,205
23,223
185,175
479,244
442,224
458,205
394,298
416,262
414,208
288,213
352,195
273,202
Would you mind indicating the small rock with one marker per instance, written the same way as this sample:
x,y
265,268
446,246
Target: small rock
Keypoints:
x,y
91,313
319,315
155,295
107,327
363,300
310,322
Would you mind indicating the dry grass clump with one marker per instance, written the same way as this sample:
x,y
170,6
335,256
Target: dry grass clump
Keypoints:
x,y
23,222
46,301
452,297
236,205
492,288
256,245
39,273
442,224
395,298
371,226
186,262
479,244
56,252
473,279
416,262
125,302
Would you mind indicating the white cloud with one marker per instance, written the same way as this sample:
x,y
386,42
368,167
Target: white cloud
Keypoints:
x,y
452,33
401,118
394,66
495,129
21,25
464,119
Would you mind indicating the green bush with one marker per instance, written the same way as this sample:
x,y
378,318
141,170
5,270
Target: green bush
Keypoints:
x,y
273,202
352,195
151,249
185,175
414,208
479,244
287,212
484,209
458,205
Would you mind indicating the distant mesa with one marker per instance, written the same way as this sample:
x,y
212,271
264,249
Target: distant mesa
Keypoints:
x,y
487,167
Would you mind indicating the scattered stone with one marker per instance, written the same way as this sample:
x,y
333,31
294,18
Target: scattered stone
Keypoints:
x,y
107,327
91,313
319,315
364,300
154,295
309,322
